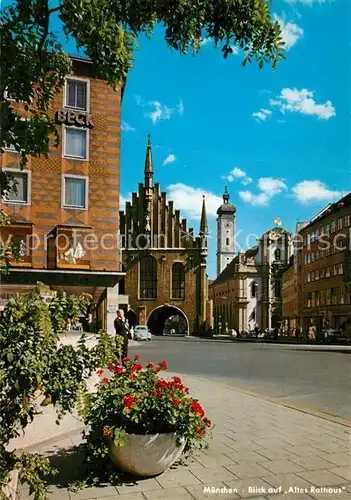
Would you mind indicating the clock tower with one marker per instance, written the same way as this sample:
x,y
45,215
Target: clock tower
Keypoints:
x,y
225,233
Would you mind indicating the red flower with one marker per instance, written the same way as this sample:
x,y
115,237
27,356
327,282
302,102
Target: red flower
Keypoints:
x,y
163,365
110,434
129,401
100,372
208,422
161,384
153,393
150,365
119,370
136,357
196,407
125,360
200,431
177,380
137,367
104,380
176,402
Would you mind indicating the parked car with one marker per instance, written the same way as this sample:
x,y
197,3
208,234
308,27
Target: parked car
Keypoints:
x,y
141,332
333,336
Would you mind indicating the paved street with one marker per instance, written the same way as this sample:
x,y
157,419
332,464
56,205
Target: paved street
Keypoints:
x,y
259,450
314,380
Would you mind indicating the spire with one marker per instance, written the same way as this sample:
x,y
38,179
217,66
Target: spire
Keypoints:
x,y
148,171
203,222
226,196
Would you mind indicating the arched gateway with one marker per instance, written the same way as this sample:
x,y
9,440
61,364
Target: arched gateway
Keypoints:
x,y
167,319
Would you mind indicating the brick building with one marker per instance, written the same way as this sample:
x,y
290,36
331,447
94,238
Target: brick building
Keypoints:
x,y
166,280
65,207
323,268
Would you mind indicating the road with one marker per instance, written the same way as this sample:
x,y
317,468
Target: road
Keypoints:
x,y
311,380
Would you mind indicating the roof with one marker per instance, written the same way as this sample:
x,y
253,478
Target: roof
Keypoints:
x,y
226,207
228,272
328,210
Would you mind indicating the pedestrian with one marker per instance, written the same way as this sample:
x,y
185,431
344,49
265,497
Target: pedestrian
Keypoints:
x,y
121,331
276,331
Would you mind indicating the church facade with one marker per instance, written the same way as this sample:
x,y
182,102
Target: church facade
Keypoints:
x,y
165,262
247,291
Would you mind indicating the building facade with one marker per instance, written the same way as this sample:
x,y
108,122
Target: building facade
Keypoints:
x,y
324,268
290,294
225,233
247,294
65,207
166,279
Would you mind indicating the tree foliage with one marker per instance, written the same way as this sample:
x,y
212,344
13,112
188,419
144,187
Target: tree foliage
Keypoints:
x,y
35,369
34,64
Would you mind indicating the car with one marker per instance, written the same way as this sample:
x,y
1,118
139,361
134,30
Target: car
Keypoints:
x,y
332,336
141,332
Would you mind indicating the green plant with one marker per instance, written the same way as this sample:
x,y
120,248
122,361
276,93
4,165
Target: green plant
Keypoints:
x,y
36,369
135,400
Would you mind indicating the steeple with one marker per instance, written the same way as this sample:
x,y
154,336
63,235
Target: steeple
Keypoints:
x,y
226,196
203,222
148,170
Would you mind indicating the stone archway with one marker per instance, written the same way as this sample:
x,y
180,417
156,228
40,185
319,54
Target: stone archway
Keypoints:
x,y
131,317
165,318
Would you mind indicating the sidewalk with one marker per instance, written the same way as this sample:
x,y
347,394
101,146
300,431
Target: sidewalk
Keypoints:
x,y
259,450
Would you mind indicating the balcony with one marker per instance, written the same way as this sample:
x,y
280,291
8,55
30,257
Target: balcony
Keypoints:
x,y
17,241
69,248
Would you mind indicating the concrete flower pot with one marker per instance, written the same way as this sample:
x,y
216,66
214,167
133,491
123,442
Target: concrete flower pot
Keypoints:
x,y
147,455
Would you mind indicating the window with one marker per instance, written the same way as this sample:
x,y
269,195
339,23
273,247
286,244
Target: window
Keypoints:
x,y
77,94
335,269
333,226
148,278
227,241
308,258
322,273
277,254
340,223
327,229
76,143
317,254
316,235
75,192
178,281
308,277
321,231
347,220
327,272
253,289
19,187
341,268
316,275
312,257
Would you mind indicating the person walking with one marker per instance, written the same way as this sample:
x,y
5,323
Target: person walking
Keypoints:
x,y
121,331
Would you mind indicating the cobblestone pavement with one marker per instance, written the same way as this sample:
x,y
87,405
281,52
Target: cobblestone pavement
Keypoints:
x,y
259,450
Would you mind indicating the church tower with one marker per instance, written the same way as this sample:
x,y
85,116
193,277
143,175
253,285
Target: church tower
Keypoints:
x,y
225,233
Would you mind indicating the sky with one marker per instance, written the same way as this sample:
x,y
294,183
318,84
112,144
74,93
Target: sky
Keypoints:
x,y
280,140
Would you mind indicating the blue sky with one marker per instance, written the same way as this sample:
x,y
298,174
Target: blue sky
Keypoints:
x,y
279,139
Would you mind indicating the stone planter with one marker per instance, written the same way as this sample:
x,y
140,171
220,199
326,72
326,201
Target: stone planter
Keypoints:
x,y
146,455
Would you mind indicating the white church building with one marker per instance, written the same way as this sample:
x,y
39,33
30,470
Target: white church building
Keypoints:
x,y
247,291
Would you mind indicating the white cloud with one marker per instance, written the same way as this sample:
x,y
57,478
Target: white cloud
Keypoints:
x,y
268,188
127,128
254,199
302,101
309,191
161,111
205,41
237,173
308,2
170,159
246,181
189,200
123,200
291,32
262,115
